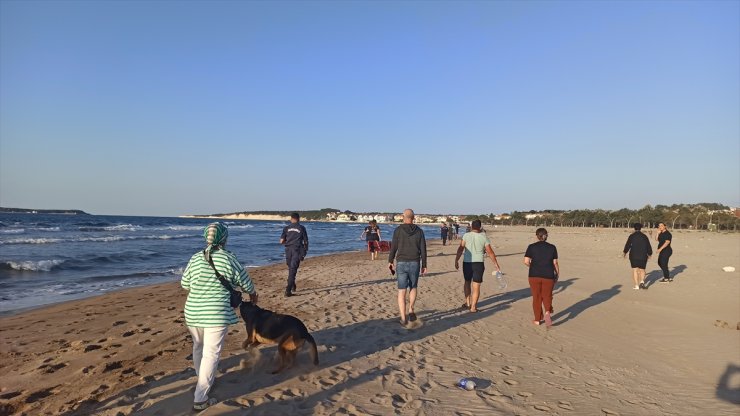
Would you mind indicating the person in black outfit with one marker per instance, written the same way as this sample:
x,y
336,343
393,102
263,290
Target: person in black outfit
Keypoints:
x,y
664,238
445,234
372,236
639,249
295,240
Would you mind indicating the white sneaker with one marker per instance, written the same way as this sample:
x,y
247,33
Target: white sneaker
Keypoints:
x,y
636,288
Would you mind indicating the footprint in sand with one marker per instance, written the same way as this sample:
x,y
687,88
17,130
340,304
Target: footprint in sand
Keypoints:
x,y
92,347
52,368
114,365
38,395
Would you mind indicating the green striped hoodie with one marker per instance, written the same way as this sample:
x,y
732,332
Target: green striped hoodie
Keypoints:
x,y
208,305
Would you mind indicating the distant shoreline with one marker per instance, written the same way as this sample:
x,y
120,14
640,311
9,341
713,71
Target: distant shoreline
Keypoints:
x,y
268,217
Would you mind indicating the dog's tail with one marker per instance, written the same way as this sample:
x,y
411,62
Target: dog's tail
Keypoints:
x,y
314,351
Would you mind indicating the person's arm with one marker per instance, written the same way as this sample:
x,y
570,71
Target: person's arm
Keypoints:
x,y
363,234
186,276
305,238
423,249
284,235
460,251
528,257
492,255
379,237
557,268
394,248
627,246
241,278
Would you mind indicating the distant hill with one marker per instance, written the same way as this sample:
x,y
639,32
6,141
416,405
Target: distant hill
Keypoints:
x,y
42,211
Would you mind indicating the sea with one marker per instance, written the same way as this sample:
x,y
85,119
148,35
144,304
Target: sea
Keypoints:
x,y
51,258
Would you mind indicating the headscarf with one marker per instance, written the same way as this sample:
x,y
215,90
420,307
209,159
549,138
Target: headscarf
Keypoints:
x,y
215,234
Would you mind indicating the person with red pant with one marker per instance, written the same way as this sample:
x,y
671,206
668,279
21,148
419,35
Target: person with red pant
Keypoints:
x,y
542,259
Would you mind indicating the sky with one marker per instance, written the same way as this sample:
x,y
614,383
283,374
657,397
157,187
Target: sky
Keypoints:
x,y
170,108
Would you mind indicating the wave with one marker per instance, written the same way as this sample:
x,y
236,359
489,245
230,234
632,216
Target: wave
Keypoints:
x,y
34,266
92,239
174,271
13,231
52,229
119,227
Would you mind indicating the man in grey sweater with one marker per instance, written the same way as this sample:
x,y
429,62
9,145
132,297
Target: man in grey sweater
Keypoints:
x,y
408,249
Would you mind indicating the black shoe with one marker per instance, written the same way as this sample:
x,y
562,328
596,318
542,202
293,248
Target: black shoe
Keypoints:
x,y
664,280
288,294
642,285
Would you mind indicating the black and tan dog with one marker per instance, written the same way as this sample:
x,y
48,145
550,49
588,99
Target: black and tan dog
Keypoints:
x,y
267,327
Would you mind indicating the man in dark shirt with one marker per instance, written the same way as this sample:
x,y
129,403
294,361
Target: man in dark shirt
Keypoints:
x,y
639,249
408,249
295,240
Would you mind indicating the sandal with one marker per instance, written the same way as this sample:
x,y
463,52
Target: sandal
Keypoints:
x,y
402,322
199,407
412,317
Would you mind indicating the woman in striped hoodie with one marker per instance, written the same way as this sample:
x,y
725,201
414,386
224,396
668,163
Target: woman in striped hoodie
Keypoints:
x,y
208,312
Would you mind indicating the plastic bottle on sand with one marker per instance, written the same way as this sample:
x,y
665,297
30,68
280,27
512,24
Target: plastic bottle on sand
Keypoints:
x,y
466,384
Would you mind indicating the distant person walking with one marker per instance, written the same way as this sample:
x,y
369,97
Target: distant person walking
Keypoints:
x,y
208,311
542,259
450,231
372,237
457,230
408,249
639,249
474,245
445,234
665,251
295,240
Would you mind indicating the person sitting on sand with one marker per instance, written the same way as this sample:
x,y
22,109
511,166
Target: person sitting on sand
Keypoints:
x,y
208,311
408,249
371,234
542,259
295,240
475,245
665,251
639,249
445,233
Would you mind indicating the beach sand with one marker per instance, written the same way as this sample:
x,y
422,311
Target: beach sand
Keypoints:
x,y
671,350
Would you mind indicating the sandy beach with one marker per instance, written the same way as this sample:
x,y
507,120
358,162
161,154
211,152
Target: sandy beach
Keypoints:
x,y
671,350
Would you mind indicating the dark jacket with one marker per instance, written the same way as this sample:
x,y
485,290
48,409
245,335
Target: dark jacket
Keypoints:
x,y
638,245
408,244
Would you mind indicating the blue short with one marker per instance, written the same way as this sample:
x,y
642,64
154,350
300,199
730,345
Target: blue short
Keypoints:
x,y
407,273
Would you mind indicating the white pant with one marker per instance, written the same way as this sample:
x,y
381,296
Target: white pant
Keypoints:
x,y
207,344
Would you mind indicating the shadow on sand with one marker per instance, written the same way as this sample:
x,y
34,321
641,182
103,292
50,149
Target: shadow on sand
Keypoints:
x,y
725,391
580,306
341,347
655,275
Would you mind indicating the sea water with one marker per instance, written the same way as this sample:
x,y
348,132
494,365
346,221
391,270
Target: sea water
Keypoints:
x,y
46,259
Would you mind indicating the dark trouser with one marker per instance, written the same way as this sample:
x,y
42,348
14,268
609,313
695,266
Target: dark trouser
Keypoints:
x,y
293,259
663,262
541,295
444,240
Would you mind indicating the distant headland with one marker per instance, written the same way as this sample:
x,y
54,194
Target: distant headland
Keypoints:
x,y
6,210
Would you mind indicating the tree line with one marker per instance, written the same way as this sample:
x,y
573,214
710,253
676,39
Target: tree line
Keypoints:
x,y
702,216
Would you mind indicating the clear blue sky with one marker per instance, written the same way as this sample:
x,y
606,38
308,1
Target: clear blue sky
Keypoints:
x,y
167,108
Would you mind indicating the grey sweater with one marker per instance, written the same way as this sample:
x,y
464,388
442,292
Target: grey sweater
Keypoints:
x,y
408,244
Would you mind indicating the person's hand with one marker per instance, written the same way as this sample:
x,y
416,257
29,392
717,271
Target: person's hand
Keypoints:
x,y
423,271
253,297
457,265
624,255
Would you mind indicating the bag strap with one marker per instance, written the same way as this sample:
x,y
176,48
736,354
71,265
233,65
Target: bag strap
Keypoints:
x,y
220,277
